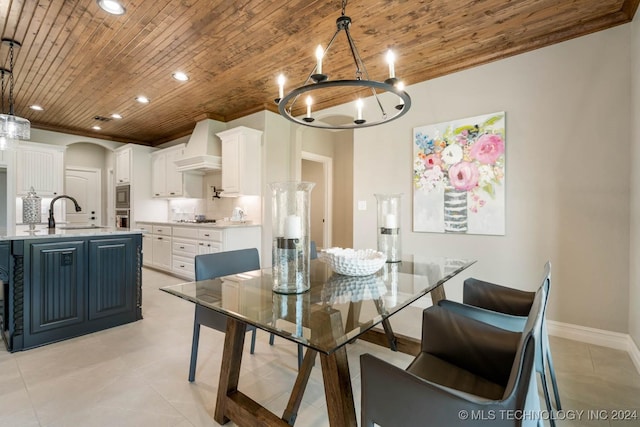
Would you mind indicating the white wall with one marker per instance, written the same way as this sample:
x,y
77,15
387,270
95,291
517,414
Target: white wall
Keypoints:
x,y
567,198
634,251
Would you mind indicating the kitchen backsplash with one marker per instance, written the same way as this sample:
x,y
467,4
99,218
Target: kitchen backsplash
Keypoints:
x,y
215,208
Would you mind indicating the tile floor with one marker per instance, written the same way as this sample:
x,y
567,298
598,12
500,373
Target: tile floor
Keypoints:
x,y
136,375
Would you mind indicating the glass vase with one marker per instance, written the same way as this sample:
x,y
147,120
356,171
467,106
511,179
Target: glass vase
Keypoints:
x,y
389,226
31,209
291,242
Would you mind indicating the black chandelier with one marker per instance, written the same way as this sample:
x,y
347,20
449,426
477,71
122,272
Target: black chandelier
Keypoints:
x,y
318,82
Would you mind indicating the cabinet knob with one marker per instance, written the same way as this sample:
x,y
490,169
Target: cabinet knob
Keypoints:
x,y
181,247
201,244
172,194
209,245
181,266
159,238
207,235
157,194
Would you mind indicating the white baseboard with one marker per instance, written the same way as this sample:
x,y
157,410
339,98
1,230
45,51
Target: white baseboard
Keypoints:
x,y
609,339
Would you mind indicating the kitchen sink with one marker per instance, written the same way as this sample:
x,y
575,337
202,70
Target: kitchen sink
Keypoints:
x,y
80,227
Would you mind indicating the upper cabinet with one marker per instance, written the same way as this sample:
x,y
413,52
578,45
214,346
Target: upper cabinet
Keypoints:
x,y
40,166
241,161
123,165
167,181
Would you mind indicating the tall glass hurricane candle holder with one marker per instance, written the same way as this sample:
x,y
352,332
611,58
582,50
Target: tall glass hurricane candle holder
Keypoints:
x,y
291,242
389,226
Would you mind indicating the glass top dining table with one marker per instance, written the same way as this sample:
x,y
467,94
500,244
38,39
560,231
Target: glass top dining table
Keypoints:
x,y
248,297
336,310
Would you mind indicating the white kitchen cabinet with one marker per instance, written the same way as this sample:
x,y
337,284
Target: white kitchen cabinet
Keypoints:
x,y
162,252
147,250
40,166
123,165
241,161
167,181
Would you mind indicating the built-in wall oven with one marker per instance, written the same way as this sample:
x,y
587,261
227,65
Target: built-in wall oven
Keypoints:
x,y
122,218
123,197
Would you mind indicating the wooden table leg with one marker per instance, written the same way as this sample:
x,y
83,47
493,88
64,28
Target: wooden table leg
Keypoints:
x,y
291,411
337,388
230,370
437,294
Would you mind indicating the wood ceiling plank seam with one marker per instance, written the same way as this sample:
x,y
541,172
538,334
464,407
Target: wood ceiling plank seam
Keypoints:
x,y
17,33
39,67
12,17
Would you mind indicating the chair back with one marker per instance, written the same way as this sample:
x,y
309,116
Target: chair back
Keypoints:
x,y
522,378
211,266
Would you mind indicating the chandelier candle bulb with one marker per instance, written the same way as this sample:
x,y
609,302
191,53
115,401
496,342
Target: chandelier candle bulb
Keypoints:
x,y
280,86
309,102
359,106
390,59
319,55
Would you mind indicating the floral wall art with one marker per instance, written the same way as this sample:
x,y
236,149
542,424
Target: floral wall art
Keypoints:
x,y
459,176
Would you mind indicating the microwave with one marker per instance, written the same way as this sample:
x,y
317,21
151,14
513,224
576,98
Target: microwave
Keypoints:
x,y
123,197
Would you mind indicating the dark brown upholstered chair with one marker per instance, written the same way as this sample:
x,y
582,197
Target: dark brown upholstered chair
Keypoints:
x,y
507,308
467,370
211,266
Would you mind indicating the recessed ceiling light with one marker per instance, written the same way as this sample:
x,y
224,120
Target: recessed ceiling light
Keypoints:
x,y
96,128
180,76
36,107
142,99
116,116
111,6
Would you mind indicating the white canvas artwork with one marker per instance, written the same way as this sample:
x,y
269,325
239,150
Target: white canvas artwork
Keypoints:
x,y
459,176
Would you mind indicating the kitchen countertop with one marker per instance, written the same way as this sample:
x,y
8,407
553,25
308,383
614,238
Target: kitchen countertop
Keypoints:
x,y
218,224
43,232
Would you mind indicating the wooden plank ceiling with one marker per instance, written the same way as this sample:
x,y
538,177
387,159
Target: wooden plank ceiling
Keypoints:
x,y
78,62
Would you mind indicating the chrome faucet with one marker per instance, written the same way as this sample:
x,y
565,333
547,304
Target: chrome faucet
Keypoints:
x,y
52,222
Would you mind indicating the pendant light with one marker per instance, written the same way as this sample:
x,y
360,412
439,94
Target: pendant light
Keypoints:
x,y
12,127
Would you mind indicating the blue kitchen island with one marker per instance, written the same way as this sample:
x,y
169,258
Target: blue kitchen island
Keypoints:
x,y
62,283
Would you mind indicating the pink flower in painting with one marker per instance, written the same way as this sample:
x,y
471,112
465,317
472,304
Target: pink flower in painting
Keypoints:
x,y
432,160
464,176
487,148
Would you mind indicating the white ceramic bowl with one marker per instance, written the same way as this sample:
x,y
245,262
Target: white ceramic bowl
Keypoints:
x,y
351,262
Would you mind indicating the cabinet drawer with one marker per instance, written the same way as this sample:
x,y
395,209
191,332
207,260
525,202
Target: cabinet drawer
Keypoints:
x,y
188,232
184,247
210,234
146,228
162,230
183,266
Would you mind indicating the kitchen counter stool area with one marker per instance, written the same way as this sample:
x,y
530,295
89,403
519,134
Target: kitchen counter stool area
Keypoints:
x,y
61,286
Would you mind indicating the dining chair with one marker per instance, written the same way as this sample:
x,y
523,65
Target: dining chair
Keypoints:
x,y
466,372
313,254
506,308
211,266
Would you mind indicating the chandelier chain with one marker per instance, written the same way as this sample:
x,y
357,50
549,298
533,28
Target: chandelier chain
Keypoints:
x,y
11,78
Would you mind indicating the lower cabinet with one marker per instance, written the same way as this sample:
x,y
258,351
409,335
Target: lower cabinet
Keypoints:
x,y
61,288
173,248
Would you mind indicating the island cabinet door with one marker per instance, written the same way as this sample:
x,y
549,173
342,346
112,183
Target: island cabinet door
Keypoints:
x,y
112,279
55,302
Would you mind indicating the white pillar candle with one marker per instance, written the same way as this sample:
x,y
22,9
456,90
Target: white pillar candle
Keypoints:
x,y
292,227
390,221
359,104
400,87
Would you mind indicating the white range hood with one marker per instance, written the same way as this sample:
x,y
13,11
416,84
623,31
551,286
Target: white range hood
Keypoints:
x,y
203,151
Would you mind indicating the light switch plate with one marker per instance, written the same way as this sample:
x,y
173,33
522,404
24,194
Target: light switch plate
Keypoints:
x,y
362,205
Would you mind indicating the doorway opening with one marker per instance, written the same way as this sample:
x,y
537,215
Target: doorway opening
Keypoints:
x,y
319,169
